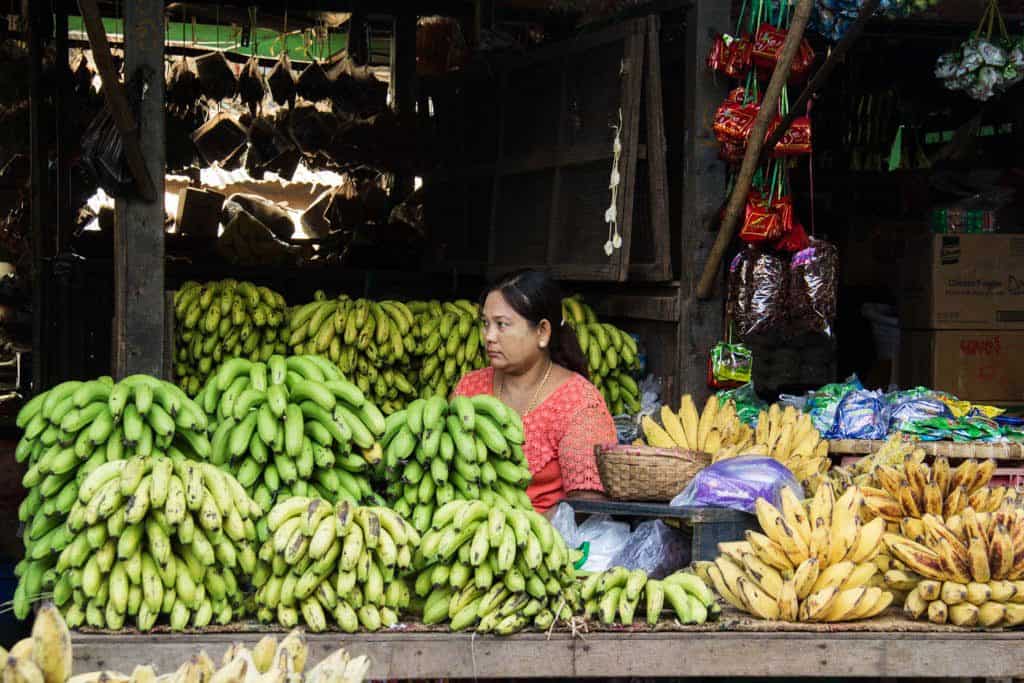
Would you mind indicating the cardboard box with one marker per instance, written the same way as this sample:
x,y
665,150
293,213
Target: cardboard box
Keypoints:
x,y
976,365
964,282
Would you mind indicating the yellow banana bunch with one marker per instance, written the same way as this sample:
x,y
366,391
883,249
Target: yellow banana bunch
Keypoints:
x,y
323,563
495,568
913,489
449,344
611,356
216,321
970,568
72,430
617,595
812,563
369,341
717,430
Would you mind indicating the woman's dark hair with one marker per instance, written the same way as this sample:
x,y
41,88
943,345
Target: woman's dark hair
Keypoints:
x,y
534,295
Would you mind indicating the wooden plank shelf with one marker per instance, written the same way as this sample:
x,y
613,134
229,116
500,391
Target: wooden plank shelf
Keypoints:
x,y
950,449
749,649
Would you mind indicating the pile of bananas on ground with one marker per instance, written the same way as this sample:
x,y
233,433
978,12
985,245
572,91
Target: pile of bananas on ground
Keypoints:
x,y
716,430
611,356
75,428
972,564
157,535
812,564
615,595
216,321
436,452
344,561
496,569
904,494
292,426
369,341
448,343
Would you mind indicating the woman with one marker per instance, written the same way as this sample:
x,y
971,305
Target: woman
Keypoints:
x,y
538,369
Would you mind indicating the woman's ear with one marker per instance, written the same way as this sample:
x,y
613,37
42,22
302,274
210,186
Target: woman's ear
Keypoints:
x,y
543,333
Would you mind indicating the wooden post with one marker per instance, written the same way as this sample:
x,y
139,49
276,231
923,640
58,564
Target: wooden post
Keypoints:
x,y
358,44
139,225
63,106
38,161
403,83
752,155
703,181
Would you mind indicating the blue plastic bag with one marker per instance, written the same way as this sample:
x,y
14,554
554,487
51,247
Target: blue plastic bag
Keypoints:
x,y
824,403
736,483
861,415
907,407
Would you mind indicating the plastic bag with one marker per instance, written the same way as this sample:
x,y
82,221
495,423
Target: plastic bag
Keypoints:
x,y
823,403
908,407
602,539
814,288
564,521
656,548
757,288
748,404
861,414
736,483
103,149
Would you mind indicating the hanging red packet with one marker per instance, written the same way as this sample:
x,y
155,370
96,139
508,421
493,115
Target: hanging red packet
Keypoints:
x,y
802,63
793,241
732,121
796,141
767,45
761,222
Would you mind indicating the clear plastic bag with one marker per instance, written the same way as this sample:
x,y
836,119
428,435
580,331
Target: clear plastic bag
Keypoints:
x,y
604,539
757,293
564,521
736,483
656,548
861,415
813,290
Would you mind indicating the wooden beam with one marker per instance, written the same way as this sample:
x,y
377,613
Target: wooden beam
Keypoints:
x,y
703,185
63,106
115,96
38,192
403,83
139,225
752,156
908,650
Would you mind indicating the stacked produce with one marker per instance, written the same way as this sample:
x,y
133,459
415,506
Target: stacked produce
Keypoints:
x,y
221,320
611,356
811,564
71,431
972,564
449,344
293,426
369,341
495,568
436,452
47,656
782,434
344,561
616,594
157,535
716,430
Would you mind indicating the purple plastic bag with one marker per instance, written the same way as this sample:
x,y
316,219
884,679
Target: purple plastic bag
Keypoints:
x,y
736,483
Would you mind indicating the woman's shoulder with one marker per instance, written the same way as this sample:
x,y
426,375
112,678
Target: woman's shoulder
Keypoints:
x,y
476,382
579,392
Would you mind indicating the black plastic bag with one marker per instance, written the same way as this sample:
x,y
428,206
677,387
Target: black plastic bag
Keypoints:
x,y
282,81
103,149
656,548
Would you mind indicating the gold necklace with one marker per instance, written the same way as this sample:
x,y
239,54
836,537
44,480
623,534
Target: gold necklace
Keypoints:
x,y
536,392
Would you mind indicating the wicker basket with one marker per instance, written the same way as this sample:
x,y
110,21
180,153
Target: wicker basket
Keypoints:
x,y
646,473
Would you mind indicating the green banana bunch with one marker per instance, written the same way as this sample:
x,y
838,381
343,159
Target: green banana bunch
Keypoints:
x,y
367,340
293,426
342,562
611,356
449,344
221,320
495,568
615,595
436,452
75,428
157,535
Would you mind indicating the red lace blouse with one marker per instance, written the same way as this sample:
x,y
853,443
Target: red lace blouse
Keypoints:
x,y
561,434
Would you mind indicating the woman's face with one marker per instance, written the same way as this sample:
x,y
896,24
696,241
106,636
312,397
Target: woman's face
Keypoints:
x,y
512,342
